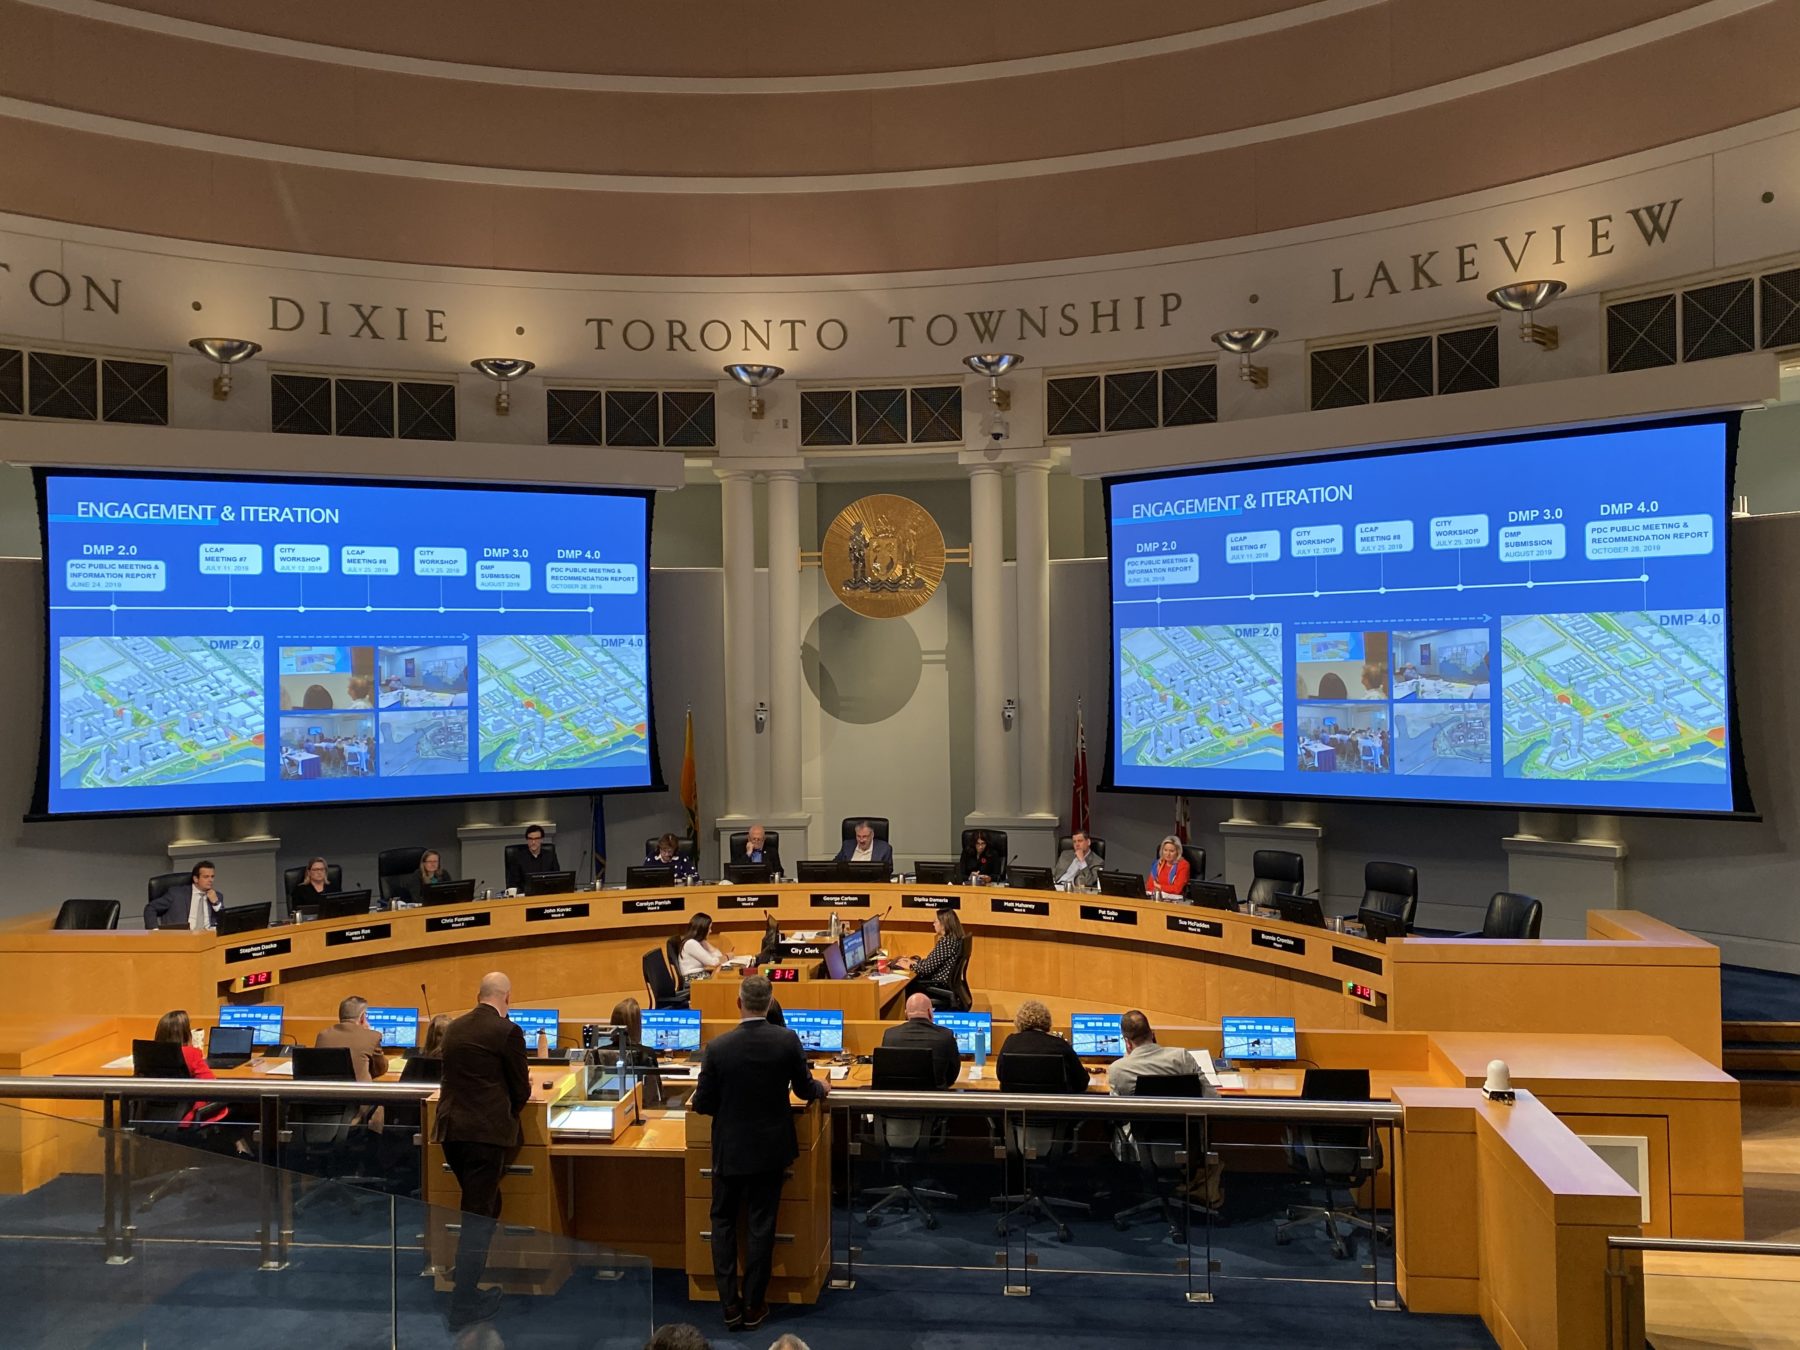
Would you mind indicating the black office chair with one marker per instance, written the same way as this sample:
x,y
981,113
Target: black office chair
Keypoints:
x,y
1334,1158
159,887
1158,1146
1066,842
1510,915
182,1121
1047,1140
88,914
953,995
879,824
330,1136
771,846
661,984
1275,870
684,847
903,1141
293,876
398,872
1196,861
1392,888
996,845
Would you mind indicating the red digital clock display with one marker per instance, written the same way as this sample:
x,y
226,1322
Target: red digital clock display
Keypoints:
x,y
1360,991
257,979
783,974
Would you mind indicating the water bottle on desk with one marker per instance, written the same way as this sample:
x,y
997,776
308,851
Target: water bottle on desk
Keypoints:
x,y
981,1049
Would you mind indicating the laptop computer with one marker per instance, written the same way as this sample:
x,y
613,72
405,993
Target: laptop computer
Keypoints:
x,y
228,1047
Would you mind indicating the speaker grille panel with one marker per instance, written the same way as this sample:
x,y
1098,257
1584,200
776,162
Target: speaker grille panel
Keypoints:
x,y
1718,320
1402,369
825,417
64,386
1640,334
1190,395
425,412
1072,405
1340,377
1781,309
1468,358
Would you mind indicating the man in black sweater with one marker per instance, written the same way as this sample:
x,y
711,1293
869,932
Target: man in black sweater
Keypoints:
x,y
919,1032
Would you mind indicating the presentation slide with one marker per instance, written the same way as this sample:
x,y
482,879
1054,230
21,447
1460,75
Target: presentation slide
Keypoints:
x,y
233,642
1531,622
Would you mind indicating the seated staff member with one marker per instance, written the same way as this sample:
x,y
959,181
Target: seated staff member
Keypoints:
x,y
667,853
863,846
1078,869
434,1037
1145,1058
1032,1036
173,1028
919,1032
756,848
353,1033
310,886
1169,878
934,969
194,906
979,862
536,857
629,1052
691,951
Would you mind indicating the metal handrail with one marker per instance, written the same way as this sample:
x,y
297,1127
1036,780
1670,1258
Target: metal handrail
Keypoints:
x,y
1714,1246
94,1088
1087,1104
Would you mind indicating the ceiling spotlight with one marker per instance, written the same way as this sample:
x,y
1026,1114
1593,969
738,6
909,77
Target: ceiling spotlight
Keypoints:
x,y
227,352
505,369
1525,298
754,378
1243,343
994,365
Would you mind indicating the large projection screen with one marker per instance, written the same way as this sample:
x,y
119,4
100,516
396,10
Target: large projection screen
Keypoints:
x,y
217,643
1538,622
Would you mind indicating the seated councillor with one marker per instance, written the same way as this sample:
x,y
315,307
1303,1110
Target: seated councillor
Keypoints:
x,y
1078,869
173,1028
311,886
919,1032
863,846
931,973
756,848
1145,1058
1169,878
433,1047
431,873
692,952
667,853
1032,1036
537,856
194,906
979,862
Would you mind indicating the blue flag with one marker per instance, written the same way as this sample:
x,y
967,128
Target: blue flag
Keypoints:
x,y
599,800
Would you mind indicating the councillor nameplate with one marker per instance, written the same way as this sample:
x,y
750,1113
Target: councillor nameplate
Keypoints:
x,y
366,932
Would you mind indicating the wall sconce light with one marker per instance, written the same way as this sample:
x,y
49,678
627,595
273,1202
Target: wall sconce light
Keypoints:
x,y
505,369
994,365
1525,298
755,378
762,718
227,352
1244,343
1009,713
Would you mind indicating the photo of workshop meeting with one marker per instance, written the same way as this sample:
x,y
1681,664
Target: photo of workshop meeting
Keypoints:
x,y
907,678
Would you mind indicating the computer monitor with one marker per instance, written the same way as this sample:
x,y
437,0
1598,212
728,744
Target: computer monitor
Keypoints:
x,y
263,1019
399,1027
1253,1038
1097,1035
533,1020
448,892
834,961
814,869
676,1030
1213,894
553,883
852,943
1303,909
1029,878
343,904
1381,924
821,1031
866,872
1121,885
749,874
242,919
929,873
970,1028
871,938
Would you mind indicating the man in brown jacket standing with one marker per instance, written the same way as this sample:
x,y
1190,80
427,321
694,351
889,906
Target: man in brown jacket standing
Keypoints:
x,y
486,1084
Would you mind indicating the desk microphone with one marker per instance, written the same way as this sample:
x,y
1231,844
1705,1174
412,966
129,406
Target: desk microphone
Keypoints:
x,y
427,998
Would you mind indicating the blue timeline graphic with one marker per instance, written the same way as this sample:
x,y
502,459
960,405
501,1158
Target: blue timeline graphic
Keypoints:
x,y
1536,622
234,642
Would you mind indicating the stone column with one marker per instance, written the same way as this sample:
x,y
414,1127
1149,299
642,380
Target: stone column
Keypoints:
x,y
739,522
986,612
784,643
1031,535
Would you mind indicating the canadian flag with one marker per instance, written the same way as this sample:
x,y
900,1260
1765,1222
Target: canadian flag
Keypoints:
x,y
1078,794
1181,819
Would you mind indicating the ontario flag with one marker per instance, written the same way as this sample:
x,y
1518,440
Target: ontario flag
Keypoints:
x,y
690,783
1181,819
1078,792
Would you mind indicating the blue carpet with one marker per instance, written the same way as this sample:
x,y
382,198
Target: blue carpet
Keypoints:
x,y
1750,995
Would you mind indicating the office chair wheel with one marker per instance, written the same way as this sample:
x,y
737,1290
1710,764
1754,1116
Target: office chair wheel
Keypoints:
x,y
1342,1250
1063,1234
871,1220
1121,1225
931,1221
1000,1229
1282,1239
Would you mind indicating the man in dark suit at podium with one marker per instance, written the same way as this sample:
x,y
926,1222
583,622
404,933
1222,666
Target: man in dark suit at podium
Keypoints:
x,y
863,846
745,1076
757,849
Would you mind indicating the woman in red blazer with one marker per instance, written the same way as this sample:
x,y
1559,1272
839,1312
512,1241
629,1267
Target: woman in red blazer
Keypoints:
x,y
1170,875
173,1028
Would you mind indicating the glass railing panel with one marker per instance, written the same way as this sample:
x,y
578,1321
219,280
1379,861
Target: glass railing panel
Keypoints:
x,y
1676,1294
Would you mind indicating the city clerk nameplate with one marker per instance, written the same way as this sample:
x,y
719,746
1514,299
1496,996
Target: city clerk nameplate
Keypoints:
x,y
554,913
933,901
452,923
1107,914
840,900
252,951
1004,904
656,904
368,932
